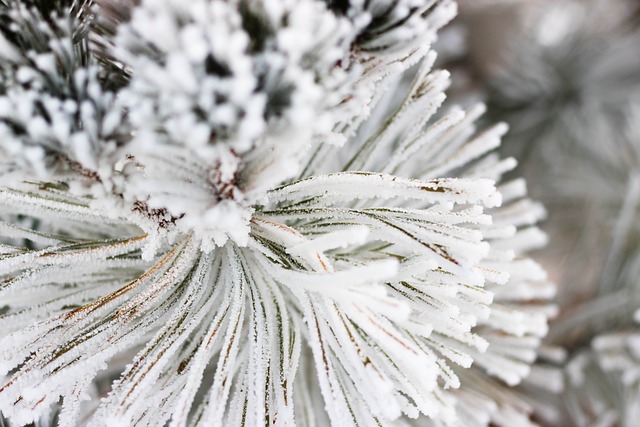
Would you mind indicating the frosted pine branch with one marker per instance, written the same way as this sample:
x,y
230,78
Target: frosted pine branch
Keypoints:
x,y
201,226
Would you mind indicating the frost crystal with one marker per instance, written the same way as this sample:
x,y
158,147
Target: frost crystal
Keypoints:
x,y
249,213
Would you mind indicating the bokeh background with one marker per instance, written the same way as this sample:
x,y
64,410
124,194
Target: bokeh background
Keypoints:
x,y
565,76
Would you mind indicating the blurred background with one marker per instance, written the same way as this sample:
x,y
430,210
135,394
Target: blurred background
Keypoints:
x,y
565,76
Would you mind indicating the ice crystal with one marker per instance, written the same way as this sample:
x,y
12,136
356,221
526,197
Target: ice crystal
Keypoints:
x,y
238,213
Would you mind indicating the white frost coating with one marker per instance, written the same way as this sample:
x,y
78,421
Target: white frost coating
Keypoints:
x,y
334,240
334,188
216,101
202,209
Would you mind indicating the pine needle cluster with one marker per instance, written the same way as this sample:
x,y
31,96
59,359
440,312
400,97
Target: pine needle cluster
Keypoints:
x,y
244,212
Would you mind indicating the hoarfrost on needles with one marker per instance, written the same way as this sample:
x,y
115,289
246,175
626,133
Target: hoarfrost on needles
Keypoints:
x,y
200,225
